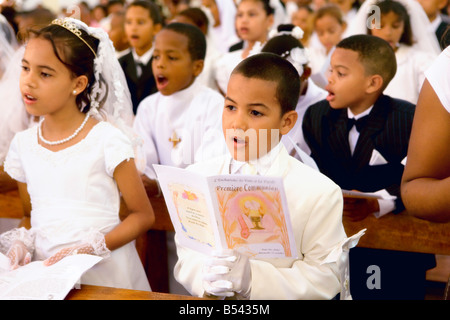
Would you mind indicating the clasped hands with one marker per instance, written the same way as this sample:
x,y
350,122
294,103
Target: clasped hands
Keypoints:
x,y
227,273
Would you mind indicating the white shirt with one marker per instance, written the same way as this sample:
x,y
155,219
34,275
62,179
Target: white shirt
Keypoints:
x,y
187,115
144,59
386,206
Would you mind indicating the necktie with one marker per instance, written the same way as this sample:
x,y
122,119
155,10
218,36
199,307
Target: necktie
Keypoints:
x,y
360,123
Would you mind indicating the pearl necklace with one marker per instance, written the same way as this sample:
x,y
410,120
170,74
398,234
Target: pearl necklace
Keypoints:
x,y
52,143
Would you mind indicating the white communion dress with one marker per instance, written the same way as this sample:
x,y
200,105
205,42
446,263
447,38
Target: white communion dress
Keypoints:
x,y
72,194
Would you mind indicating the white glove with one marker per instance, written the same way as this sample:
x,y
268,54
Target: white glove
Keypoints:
x,y
18,254
94,245
227,273
18,243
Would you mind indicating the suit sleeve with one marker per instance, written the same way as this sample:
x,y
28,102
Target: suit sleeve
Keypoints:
x,y
310,126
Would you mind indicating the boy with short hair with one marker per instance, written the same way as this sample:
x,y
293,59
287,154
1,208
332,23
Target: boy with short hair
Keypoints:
x,y
262,94
142,22
174,121
366,155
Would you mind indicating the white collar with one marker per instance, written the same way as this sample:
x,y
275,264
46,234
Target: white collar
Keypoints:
x,y
261,164
435,23
145,58
358,116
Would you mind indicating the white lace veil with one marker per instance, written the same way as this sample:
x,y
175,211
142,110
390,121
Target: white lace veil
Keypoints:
x,y
424,39
110,97
14,117
9,69
8,44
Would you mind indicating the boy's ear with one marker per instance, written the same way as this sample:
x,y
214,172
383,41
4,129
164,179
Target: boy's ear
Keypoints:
x,y
198,67
288,121
375,83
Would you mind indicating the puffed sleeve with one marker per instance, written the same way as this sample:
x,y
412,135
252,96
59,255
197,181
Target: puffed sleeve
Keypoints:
x,y
117,148
13,163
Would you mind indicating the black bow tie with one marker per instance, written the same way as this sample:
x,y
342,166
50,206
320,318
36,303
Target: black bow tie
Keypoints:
x,y
360,123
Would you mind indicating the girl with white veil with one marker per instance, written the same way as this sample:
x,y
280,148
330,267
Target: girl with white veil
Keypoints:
x,y
415,46
72,80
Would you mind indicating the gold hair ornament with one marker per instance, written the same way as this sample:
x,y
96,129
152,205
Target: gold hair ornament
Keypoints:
x,y
72,27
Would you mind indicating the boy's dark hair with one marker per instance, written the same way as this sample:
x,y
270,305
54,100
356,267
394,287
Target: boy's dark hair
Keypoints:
x,y
396,7
271,67
197,16
196,38
73,53
375,54
153,9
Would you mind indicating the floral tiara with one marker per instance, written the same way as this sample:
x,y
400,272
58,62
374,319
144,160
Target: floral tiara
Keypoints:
x,y
72,27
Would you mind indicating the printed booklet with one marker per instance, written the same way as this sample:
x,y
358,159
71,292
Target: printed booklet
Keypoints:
x,y
245,213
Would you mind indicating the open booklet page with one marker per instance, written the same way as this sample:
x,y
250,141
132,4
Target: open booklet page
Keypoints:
x,y
246,213
35,281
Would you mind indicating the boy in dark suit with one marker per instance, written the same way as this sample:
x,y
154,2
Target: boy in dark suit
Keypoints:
x,y
367,156
142,21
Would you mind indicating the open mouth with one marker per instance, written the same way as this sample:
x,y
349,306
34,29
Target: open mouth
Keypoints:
x,y
29,98
238,141
161,81
330,95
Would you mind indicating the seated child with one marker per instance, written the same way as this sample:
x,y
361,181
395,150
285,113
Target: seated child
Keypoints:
x,y
117,34
198,17
142,21
403,24
174,121
369,156
287,44
314,201
329,26
302,17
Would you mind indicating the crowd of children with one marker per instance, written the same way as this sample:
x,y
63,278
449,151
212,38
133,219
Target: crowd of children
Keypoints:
x,y
117,86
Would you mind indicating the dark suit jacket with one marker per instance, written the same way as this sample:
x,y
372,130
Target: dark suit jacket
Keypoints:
x,y
139,87
388,130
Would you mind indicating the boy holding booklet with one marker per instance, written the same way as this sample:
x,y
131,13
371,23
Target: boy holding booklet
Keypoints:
x,y
259,108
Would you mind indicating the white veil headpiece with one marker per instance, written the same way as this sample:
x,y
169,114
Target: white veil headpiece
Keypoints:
x,y
296,56
110,99
423,37
8,44
14,117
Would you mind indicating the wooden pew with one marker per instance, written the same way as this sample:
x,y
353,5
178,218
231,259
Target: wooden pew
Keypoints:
x,y
87,292
402,232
